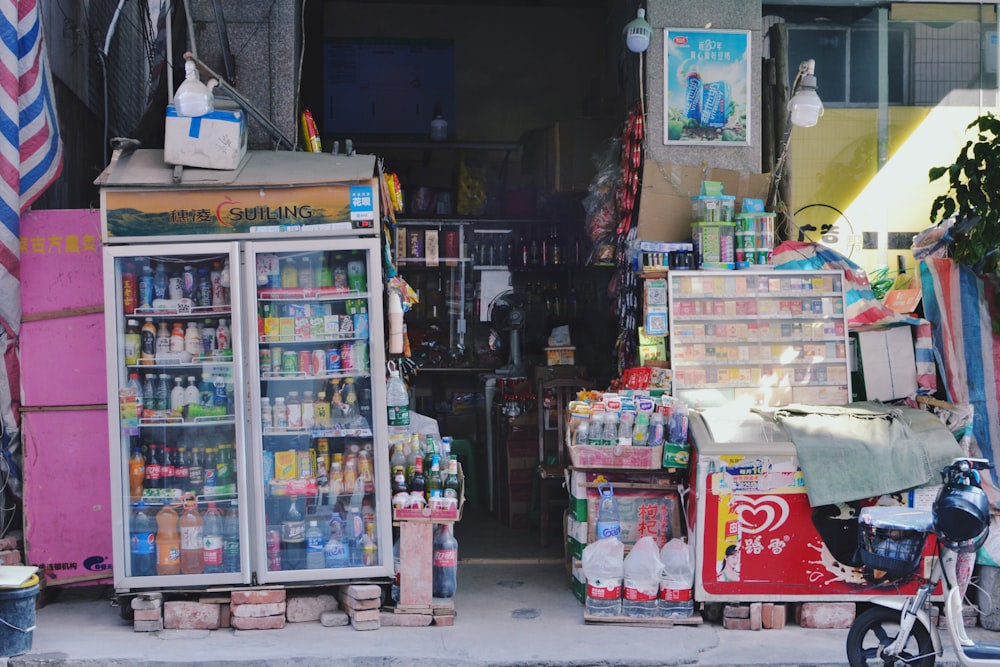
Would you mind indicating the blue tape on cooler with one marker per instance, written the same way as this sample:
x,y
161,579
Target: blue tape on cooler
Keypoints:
x,y
195,128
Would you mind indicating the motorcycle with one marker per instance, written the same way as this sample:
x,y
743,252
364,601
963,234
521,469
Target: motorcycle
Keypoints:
x,y
897,630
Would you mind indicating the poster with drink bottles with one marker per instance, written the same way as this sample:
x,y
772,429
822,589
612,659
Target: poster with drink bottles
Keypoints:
x,y
706,86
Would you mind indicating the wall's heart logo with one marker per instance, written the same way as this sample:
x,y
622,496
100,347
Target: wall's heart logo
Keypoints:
x,y
761,513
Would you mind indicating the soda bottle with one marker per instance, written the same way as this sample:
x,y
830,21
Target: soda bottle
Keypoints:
x,y
162,339
147,342
418,484
273,542
608,518
167,468
182,472
177,398
136,474
153,468
293,538
452,484
315,545
146,287
203,292
369,547
133,343
445,569
135,389
231,538
434,489
335,552
160,281
192,538
143,538
196,473
212,552
168,542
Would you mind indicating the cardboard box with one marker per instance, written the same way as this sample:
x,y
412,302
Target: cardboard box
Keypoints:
x,y
888,363
217,140
598,456
560,356
665,211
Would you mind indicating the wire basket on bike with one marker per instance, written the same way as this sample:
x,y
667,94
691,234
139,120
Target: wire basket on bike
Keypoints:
x,y
892,538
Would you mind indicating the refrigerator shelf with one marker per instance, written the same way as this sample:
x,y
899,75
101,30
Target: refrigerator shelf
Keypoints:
x,y
333,432
310,293
291,339
175,364
181,311
161,497
180,422
271,376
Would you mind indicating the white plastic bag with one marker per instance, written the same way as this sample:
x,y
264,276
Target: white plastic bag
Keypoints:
x,y
642,569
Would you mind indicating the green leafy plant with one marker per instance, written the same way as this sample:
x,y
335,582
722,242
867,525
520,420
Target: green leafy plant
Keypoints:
x,y
973,198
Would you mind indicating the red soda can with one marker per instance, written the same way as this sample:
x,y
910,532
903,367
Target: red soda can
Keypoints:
x,y
346,357
273,550
319,362
305,362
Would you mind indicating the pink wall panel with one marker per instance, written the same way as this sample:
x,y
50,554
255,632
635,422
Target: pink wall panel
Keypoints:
x,y
67,496
62,358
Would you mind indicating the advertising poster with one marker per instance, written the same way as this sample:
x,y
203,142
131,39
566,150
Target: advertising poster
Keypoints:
x,y
706,86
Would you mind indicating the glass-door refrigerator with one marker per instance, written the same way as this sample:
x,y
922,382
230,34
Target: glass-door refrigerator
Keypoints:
x,y
244,315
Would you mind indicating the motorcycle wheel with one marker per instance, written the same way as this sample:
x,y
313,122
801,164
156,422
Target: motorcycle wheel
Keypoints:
x,y
878,627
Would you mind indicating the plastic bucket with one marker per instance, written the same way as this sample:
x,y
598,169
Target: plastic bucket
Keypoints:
x,y
17,617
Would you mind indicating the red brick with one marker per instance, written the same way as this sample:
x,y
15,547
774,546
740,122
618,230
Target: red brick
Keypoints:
x,y
265,623
146,615
258,597
333,619
10,543
730,623
444,620
258,610
308,607
148,626
182,615
389,619
826,615
10,557
364,592
779,616
364,615
766,612
365,625
351,603
756,613
736,611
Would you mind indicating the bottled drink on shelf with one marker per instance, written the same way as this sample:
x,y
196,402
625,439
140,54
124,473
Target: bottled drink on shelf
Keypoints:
x,y
266,415
212,553
308,410
597,428
188,284
294,410
162,339
306,277
162,394
223,340
160,281
280,414
315,556
321,411
143,541
136,474
293,537
624,436
177,340
177,397
193,344
192,538
445,568
167,467
133,342
273,543
182,472
153,468
369,545
608,517
418,483
397,400
335,552
434,486
231,538
196,470
289,273
135,389
191,394
219,298
147,342
146,286
452,484
168,542
203,292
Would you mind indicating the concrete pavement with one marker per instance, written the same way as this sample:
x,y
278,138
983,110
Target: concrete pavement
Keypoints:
x,y
508,615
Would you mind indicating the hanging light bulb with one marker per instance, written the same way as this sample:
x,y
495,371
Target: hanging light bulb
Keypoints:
x,y
638,33
805,106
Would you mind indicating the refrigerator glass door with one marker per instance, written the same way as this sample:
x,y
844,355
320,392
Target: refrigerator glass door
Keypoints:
x,y
318,418
174,366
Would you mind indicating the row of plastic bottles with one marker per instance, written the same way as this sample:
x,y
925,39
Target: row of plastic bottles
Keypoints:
x,y
189,542
610,428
